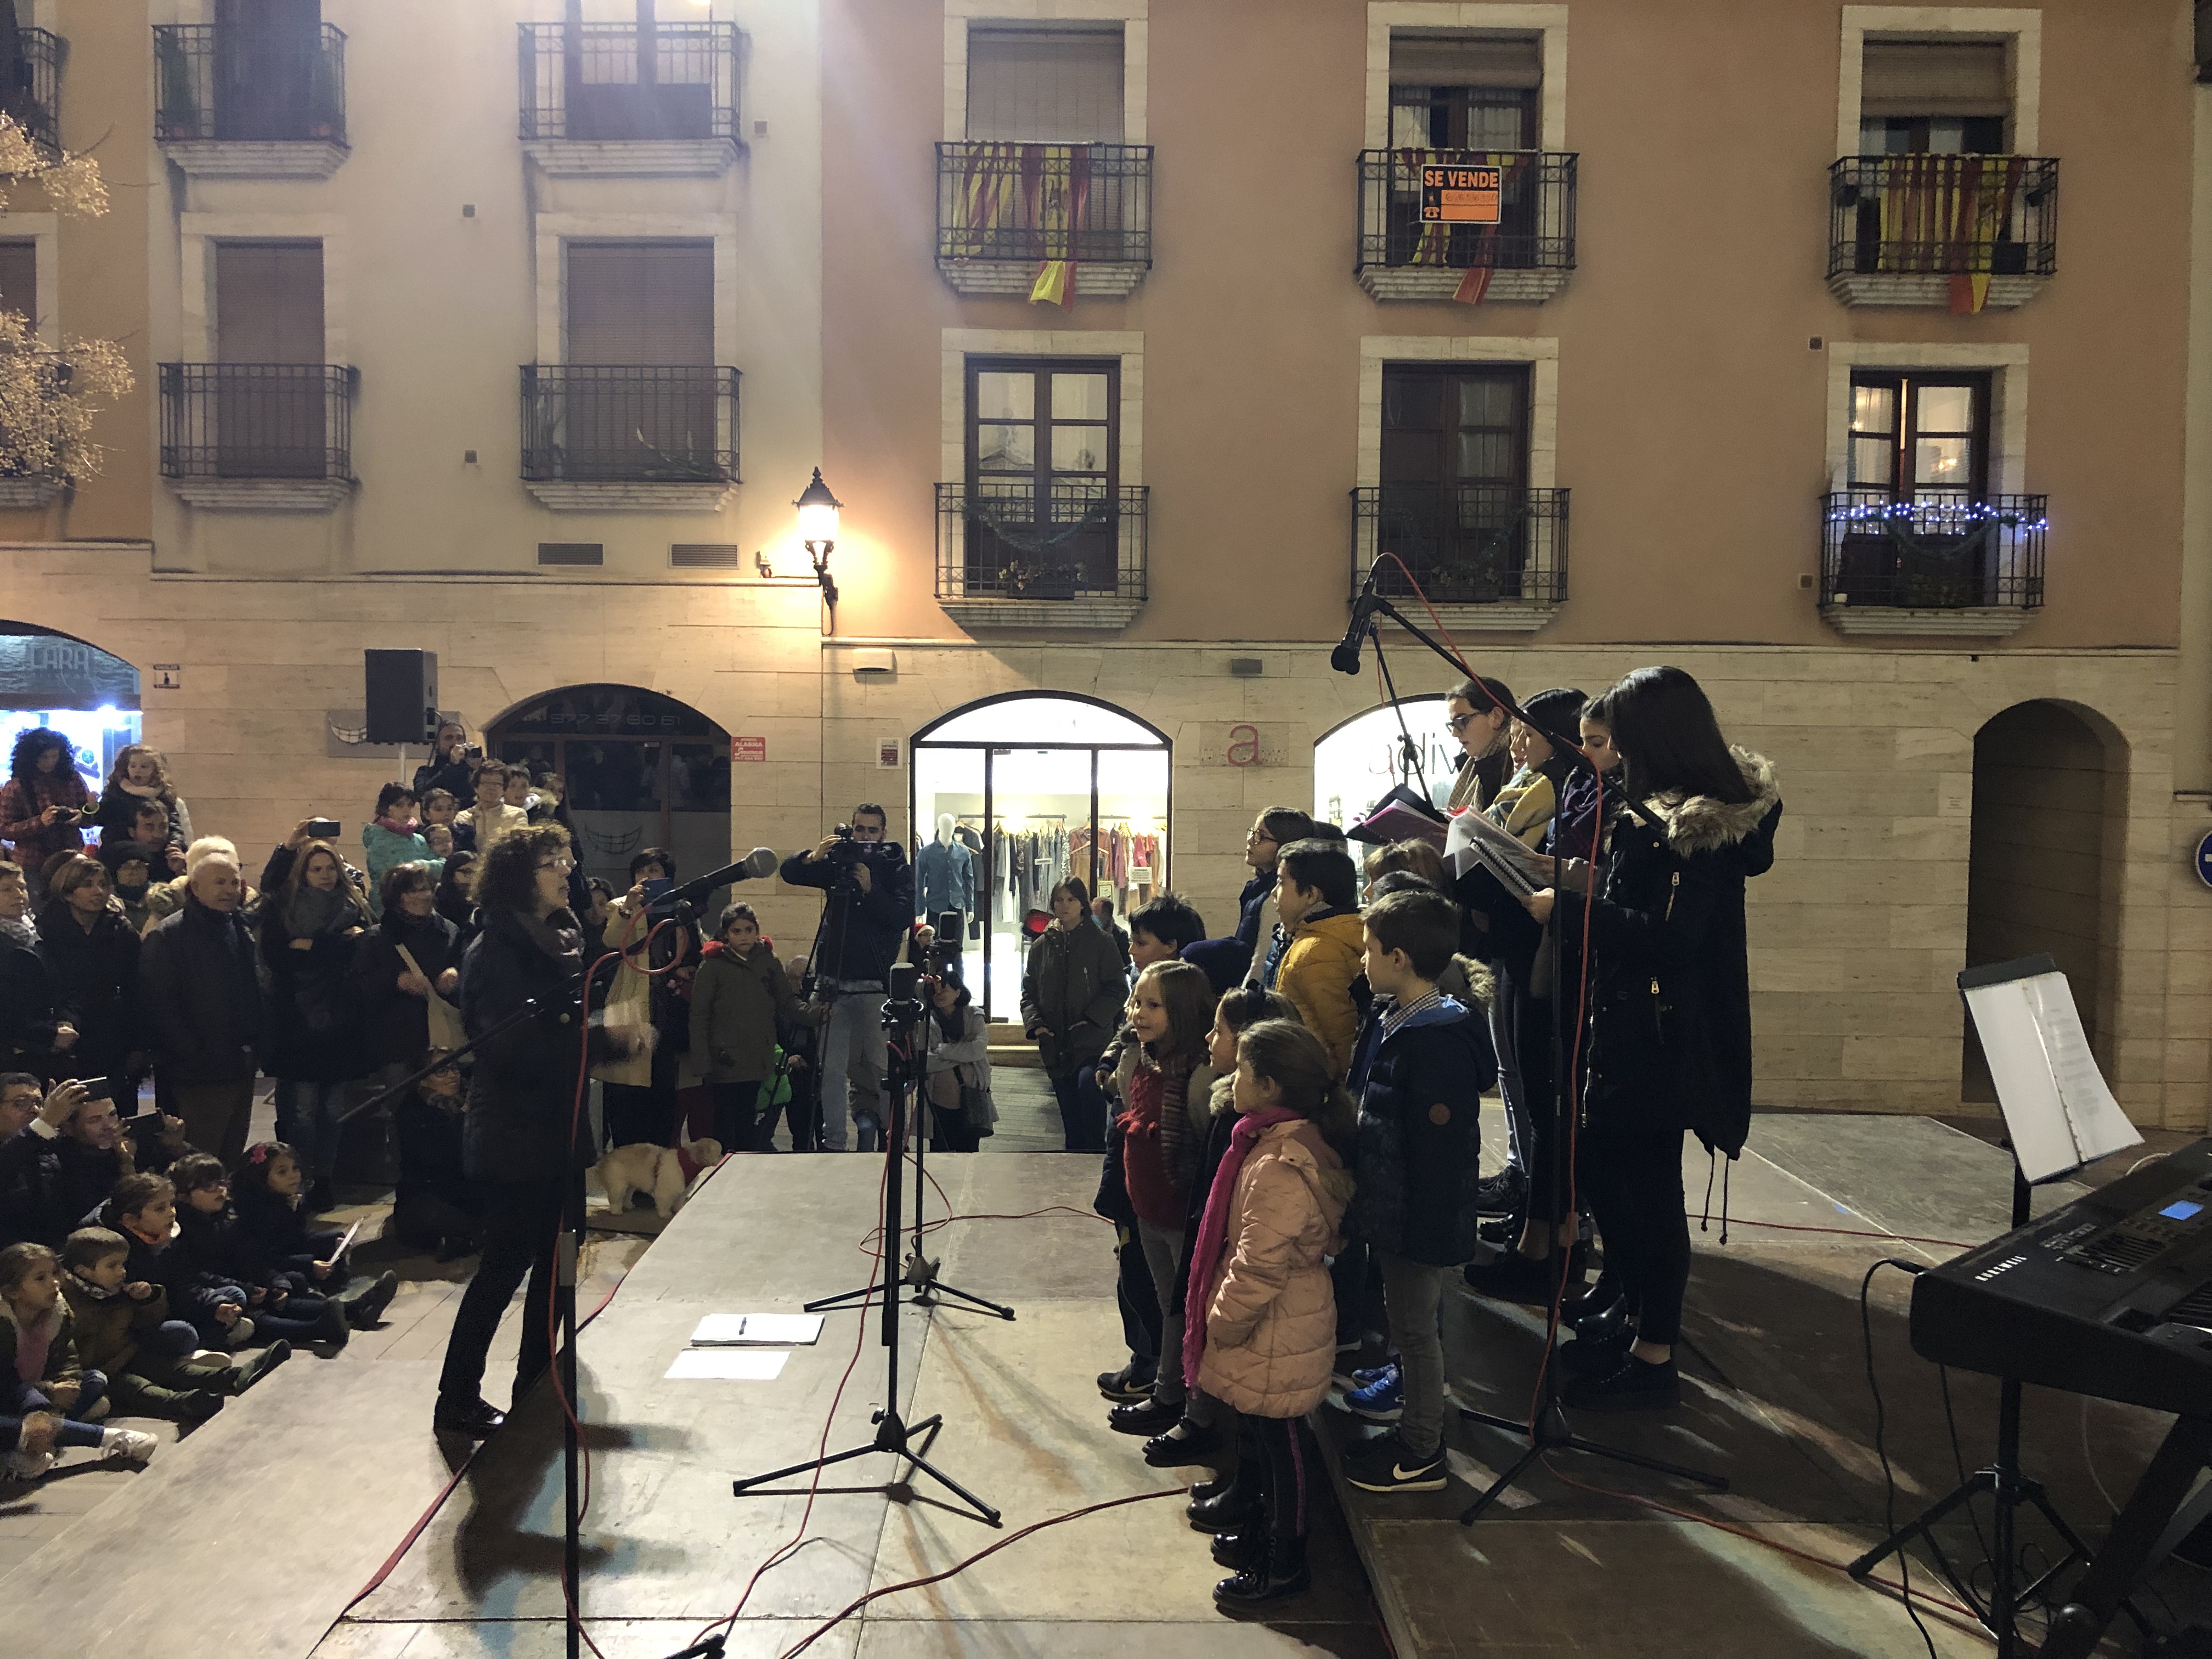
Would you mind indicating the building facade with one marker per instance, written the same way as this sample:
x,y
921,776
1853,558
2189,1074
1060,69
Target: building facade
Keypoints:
x,y
1126,337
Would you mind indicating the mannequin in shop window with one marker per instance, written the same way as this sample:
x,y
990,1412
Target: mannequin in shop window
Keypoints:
x,y
945,877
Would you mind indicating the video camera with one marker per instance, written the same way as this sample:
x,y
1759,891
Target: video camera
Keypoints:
x,y
850,850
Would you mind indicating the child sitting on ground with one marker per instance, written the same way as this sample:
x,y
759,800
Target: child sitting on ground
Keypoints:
x,y
143,1209
435,1205
276,1245
1421,1066
47,1396
211,1249
123,1329
1261,1317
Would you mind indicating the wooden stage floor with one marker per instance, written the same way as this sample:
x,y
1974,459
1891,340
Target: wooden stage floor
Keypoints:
x,y
254,1536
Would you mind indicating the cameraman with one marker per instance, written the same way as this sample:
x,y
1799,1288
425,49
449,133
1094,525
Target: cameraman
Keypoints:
x,y
450,765
871,889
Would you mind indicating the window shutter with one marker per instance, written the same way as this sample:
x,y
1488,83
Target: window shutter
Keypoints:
x,y
19,280
642,302
1044,85
1460,59
1934,77
269,302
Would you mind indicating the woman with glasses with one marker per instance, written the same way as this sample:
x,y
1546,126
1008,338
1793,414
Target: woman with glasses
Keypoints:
x,y
1478,722
520,1139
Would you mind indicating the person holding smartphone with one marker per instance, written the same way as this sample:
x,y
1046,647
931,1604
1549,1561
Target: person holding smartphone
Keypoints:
x,y
43,801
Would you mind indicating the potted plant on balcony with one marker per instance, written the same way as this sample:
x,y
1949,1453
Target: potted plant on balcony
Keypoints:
x,y
1023,579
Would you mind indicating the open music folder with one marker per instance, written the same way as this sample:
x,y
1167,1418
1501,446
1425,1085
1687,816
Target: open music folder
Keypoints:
x,y
2056,1106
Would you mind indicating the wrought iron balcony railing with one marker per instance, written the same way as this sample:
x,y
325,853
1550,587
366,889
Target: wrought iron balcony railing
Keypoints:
x,y
257,420
1930,215
249,85
618,81
625,423
1536,229
1463,543
1034,204
1012,541
1933,553
33,93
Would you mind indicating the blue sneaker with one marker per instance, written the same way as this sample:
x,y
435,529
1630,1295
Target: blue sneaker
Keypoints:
x,y
1380,1400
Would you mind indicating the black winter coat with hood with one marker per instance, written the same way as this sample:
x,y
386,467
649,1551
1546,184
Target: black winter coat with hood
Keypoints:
x,y
1670,985
522,1093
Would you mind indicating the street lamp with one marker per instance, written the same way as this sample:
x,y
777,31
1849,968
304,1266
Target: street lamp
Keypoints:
x,y
817,529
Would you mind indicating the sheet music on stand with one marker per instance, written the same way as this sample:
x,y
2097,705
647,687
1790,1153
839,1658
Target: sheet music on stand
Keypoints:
x,y
2057,1107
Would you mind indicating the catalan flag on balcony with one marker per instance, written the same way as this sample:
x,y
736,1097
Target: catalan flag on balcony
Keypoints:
x,y
1945,214
1023,201
1062,190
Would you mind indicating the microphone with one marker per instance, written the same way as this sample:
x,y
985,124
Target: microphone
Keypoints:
x,y
761,861
1346,658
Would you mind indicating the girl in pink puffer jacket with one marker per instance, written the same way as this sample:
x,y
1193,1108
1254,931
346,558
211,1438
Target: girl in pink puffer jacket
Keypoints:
x,y
1261,1312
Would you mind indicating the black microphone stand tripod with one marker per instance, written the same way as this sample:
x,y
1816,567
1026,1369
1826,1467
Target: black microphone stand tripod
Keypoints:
x,y
905,1017
1546,1429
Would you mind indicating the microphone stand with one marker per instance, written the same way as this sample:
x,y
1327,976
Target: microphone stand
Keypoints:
x,y
903,1015
1546,1430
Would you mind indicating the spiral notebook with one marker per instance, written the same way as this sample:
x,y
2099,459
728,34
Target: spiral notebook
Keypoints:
x,y
2057,1109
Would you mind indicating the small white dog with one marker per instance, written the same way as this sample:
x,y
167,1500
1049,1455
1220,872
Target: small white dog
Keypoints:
x,y
664,1174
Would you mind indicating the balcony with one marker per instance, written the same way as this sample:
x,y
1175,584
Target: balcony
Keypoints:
x,y
1524,260
1944,566
629,438
34,100
1044,221
259,437
250,104
646,99
1070,557
1972,233
1491,558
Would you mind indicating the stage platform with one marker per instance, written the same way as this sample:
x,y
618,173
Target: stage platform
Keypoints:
x,y
254,1536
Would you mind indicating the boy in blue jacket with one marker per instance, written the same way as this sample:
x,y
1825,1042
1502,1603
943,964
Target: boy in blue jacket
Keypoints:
x,y
1418,1070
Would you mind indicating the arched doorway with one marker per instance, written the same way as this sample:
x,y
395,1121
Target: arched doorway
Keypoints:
x,y
2049,811
637,770
1357,760
88,695
1039,785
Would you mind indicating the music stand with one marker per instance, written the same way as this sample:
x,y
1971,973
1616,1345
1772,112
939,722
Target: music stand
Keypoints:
x,y
2058,1117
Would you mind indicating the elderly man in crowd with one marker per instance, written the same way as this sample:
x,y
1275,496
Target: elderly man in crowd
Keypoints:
x,y
201,999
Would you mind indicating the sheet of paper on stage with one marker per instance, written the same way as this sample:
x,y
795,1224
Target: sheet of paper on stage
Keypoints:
x,y
731,1364
758,1330
2057,1107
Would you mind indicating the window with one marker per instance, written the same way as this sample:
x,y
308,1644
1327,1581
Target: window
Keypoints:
x,y
267,66
1464,91
271,411
1045,85
1444,426
1043,443
1454,505
1921,437
19,280
640,381
1949,97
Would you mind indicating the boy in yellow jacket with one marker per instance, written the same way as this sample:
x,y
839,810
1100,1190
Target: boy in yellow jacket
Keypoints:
x,y
1317,896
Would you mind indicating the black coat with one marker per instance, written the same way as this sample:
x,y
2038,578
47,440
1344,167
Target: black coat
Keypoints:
x,y
316,1029
117,815
451,776
271,1236
522,1094
95,974
47,1184
28,1017
1670,986
397,1022
431,1162
1252,910
201,996
208,1255
1418,1164
860,938
191,1295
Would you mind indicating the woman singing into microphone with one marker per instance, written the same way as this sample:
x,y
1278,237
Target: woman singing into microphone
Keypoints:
x,y
518,1143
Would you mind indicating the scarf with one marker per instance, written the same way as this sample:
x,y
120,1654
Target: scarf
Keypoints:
x,y
17,929
396,826
309,912
32,1342
1213,1231
90,1291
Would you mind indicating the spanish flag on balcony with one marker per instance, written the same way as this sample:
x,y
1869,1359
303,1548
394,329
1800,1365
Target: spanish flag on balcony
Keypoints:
x,y
1025,200
1945,214
1434,246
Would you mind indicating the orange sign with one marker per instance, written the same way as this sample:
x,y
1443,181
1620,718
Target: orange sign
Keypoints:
x,y
748,749
1453,193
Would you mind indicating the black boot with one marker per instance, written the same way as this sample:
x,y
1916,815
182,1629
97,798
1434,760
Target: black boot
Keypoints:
x,y
363,1310
1244,1549
1282,1574
1225,1509
1197,1444
475,1419
1147,1417
1634,1385
1525,1278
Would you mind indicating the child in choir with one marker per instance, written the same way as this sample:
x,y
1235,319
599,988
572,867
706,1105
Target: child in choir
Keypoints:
x,y
1317,896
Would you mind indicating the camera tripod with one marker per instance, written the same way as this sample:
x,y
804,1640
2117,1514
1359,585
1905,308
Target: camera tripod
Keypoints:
x,y
903,1015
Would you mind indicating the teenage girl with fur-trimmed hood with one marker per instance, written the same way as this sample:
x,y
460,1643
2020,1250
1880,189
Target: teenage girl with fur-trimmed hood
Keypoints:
x,y
1670,1006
